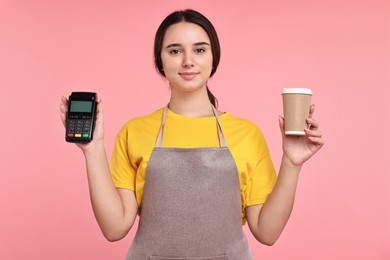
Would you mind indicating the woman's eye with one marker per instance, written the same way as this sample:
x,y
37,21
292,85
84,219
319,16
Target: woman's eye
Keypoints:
x,y
174,51
200,50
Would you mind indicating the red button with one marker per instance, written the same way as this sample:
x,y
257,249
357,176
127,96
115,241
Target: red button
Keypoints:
x,y
70,135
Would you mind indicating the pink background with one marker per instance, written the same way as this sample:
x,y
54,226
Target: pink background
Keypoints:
x,y
340,49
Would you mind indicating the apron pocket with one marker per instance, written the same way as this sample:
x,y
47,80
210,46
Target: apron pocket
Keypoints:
x,y
220,257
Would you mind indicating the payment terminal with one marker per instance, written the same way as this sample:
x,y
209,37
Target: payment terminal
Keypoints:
x,y
80,118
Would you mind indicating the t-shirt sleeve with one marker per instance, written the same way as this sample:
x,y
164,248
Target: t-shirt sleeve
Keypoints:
x,y
263,177
122,172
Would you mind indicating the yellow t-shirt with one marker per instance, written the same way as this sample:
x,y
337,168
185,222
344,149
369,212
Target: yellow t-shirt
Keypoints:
x,y
137,138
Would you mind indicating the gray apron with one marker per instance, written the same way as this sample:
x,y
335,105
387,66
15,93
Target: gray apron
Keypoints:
x,y
191,205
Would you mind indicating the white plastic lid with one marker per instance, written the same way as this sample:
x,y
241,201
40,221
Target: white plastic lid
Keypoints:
x,y
306,91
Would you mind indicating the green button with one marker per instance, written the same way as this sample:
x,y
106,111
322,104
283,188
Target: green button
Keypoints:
x,y
85,135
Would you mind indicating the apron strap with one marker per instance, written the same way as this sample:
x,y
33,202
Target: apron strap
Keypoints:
x,y
161,132
222,140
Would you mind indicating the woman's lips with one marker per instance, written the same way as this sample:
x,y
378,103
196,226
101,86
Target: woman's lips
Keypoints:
x,y
188,75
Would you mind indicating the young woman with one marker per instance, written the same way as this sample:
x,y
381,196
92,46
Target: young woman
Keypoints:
x,y
194,174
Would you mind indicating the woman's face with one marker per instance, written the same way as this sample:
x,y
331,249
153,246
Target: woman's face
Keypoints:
x,y
186,57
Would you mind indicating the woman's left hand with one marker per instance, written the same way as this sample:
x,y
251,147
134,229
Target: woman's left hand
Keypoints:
x,y
299,149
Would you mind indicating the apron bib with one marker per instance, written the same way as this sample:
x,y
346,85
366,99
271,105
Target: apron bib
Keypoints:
x,y
191,205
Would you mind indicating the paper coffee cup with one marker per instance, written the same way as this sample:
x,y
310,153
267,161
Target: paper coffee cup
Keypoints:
x,y
296,109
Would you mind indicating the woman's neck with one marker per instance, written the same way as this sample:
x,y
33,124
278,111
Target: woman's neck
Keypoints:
x,y
191,104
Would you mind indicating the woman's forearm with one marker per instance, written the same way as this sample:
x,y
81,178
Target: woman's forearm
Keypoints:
x,y
114,217
276,211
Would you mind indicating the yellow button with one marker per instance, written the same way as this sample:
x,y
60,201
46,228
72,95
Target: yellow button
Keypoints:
x,y
77,135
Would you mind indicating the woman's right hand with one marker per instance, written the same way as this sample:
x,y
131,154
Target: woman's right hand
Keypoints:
x,y
115,209
98,133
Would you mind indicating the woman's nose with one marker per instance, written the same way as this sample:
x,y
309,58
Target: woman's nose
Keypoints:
x,y
187,60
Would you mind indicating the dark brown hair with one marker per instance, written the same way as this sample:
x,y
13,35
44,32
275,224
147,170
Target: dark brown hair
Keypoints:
x,y
190,16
